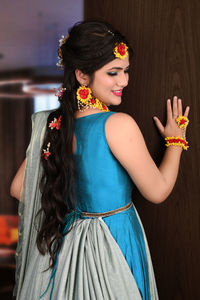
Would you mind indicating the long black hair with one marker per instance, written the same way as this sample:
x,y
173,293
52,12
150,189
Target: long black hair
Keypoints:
x,y
88,48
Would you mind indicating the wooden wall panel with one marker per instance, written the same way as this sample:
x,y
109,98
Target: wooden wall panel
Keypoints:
x,y
15,131
165,36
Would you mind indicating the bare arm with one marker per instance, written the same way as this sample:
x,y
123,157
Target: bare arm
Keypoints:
x,y
16,185
127,144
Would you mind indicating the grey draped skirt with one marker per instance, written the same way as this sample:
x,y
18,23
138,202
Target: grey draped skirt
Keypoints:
x,y
91,266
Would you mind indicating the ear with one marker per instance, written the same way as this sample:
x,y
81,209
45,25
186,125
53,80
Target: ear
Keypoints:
x,y
81,77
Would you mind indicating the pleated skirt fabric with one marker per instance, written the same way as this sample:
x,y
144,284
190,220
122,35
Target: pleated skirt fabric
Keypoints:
x,y
91,266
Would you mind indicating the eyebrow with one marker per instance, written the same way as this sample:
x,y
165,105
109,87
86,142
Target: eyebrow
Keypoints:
x,y
118,68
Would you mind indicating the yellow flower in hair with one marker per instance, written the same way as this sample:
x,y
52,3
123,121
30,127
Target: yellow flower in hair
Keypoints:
x,y
62,41
121,51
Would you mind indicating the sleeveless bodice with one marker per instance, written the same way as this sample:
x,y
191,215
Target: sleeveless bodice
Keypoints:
x,y
101,184
100,257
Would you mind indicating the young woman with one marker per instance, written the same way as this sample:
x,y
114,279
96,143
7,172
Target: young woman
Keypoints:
x,y
80,236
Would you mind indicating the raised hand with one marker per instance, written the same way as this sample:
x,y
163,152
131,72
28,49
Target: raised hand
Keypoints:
x,y
173,111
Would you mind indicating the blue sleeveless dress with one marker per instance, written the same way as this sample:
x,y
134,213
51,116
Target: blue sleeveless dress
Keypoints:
x,y
102,184
101,258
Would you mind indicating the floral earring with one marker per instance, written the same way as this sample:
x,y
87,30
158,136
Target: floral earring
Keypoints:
x,y
86,100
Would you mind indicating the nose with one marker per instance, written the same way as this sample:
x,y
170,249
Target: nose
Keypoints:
x,y
123,79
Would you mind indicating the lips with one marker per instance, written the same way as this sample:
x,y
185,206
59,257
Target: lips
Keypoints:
x,y
117,93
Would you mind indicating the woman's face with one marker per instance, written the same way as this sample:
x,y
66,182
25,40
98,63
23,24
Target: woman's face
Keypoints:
x,y
109,81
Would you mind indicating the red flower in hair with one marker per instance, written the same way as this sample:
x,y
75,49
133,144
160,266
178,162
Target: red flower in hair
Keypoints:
x,y
55,123
46,153
121,51
60,91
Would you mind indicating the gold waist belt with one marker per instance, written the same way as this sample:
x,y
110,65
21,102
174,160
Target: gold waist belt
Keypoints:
x,y
108,213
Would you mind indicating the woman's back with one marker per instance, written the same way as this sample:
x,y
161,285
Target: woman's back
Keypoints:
x,y
102,184
114,247
100,178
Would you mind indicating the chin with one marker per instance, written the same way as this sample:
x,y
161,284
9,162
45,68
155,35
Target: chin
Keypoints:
x,y
117,102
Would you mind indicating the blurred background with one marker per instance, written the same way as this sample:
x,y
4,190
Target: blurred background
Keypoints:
x,y
29,39
165,36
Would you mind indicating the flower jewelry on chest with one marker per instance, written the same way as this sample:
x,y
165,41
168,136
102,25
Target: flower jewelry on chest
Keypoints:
x,y
86,100
121,51
55,123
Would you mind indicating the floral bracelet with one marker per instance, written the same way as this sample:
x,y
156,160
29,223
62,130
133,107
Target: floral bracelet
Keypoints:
x,y
176,141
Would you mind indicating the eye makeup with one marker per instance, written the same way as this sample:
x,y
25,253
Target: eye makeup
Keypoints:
x,y
115,73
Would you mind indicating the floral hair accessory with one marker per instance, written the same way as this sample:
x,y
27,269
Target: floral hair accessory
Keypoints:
x,y
176,141
109,31
84,94
182,121
121,51
46,153
60,91
55,123
62,41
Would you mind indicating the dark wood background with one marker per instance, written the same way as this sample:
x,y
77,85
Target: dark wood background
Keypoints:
x,y
165,36
15,131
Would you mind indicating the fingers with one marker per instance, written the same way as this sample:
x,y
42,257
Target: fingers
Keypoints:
x,y
159,124
187,111
169,110
180,109
175,107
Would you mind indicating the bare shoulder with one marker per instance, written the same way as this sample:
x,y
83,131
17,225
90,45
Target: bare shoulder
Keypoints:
x,y
120,126
124,138
118,117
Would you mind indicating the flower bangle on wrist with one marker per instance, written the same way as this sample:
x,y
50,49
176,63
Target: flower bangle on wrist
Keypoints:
x,y
176,141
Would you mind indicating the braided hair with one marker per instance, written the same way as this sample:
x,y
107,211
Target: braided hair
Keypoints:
x,y
88,47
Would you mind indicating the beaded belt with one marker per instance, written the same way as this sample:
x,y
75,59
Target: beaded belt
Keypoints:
x,y
108,213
